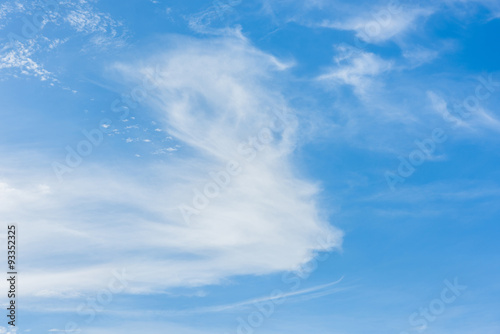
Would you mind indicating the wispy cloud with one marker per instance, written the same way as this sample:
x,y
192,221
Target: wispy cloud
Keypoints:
x,y
297,296
26,44
382,24
357,69
216,95
474,120
218,14
293,296
21,58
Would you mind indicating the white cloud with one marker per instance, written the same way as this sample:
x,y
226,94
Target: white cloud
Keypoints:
x,y
104,31
356,69
439,105
21,57
419,55
20,54
472,119
214,95
5,9
382,24
220,13
85,21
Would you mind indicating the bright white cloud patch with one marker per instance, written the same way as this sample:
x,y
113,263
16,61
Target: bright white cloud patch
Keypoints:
x,y
218,98
382,24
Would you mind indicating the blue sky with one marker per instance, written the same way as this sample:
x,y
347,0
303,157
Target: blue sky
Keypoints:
x,y
252,166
